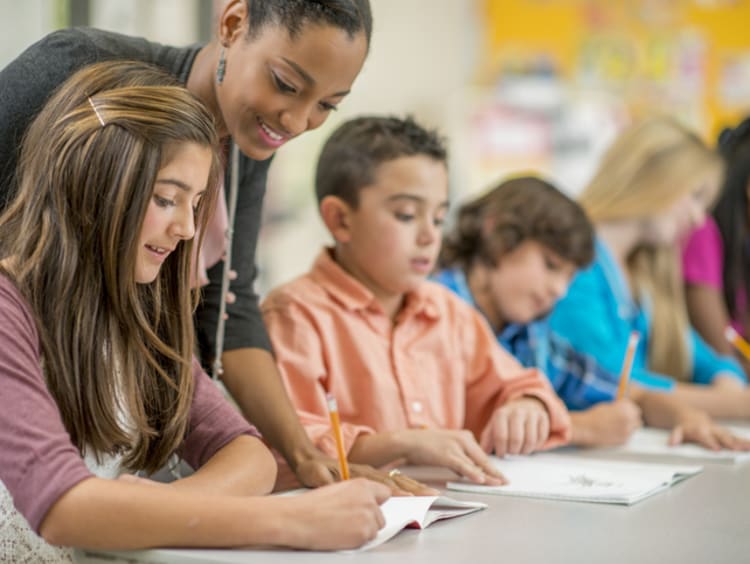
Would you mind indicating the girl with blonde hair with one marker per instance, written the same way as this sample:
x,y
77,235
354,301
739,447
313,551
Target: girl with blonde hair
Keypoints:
x,y
653,186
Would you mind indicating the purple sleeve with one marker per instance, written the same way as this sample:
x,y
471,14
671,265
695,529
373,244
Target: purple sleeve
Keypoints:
x,y
702,261
38,463
213,421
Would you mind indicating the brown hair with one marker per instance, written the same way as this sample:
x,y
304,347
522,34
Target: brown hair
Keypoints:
x,y
69,241
516,210
350,157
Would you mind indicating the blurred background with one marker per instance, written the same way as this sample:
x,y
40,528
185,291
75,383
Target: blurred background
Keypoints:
x,y
515,85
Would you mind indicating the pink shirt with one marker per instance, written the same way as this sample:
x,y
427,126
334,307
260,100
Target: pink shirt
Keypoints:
x,y
703,264
38,462
438,366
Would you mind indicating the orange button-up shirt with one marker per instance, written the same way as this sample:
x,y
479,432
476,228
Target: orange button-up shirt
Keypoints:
x,y
438,365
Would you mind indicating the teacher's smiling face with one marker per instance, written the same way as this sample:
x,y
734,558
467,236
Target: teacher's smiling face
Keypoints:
x,y
277,86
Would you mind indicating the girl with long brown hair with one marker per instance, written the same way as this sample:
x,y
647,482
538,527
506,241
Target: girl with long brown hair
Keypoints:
x,y
96,342
274,70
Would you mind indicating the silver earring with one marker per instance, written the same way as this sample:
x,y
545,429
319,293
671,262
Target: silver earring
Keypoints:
x,y
221,69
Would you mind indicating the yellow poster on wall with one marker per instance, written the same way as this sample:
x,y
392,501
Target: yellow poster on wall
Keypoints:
x,y
686,57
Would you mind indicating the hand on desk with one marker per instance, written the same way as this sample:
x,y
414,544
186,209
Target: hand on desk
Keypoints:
x,y
606,424
456,450
320,470
695,426
519,427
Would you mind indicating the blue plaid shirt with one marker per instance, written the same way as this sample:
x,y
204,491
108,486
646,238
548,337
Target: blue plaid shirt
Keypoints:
x,y
577,378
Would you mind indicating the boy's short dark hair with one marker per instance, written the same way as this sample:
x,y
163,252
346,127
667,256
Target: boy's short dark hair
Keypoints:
x,y
350,157
517,210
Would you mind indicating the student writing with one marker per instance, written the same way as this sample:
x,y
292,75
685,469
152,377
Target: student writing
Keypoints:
x,y
415,371
512,254
96,364
274,70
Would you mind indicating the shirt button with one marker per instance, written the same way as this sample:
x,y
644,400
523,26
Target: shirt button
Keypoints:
x,y
416,406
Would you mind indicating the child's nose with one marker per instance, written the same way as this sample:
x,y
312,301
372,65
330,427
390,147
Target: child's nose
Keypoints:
x,y
184,225
428,233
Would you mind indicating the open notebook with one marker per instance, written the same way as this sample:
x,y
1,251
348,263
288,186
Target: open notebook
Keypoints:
x,y
651,441
549,476
415,512
418,512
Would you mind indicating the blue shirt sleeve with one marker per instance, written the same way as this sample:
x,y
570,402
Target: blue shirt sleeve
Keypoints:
x,y
589,318
584,317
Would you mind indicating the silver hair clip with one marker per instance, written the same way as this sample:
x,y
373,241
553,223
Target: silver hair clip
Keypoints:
x,y
96,111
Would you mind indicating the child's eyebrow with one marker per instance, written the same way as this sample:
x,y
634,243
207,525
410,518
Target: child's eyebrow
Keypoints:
x,y
414,198
173,181
179,183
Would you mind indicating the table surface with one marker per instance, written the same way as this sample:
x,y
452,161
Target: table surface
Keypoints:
x,y
705,518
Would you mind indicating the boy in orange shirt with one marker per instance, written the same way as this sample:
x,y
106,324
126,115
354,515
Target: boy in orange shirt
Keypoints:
x,y
417,374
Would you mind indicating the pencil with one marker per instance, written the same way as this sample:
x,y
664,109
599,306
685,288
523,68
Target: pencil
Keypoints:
x,y
739,343
333,411
627,364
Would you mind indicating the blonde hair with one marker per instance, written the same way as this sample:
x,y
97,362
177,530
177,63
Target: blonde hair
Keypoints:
x,y
648,169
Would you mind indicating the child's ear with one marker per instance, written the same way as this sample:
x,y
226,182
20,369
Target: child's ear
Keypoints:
x,y
336,215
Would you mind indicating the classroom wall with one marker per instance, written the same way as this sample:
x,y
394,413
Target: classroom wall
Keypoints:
x,y
502,79
423,54
167,21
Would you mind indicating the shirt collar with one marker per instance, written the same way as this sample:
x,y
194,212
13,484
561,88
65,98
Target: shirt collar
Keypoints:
x,y
511,331
355,296
455,280
615,277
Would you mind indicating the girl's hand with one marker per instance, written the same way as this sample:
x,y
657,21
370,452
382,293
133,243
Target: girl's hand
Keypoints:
x,y
696,426
344,515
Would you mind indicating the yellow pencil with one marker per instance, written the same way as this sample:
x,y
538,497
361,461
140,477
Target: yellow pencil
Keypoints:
x,y
627,364
333,411
739,343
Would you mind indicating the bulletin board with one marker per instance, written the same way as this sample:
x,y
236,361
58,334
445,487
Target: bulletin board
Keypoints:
x,y
689,57
558,79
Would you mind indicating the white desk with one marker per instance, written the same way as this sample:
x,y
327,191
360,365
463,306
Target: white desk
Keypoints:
x,y
705,519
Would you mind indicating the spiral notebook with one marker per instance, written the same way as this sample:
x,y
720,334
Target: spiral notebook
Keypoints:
x,y
555,477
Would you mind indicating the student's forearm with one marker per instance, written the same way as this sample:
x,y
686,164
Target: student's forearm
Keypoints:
x,y
99,513
728,400
378,449
252,378
243,467
582,434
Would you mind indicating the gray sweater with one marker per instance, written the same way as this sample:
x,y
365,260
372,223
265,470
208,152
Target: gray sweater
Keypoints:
x,y
26,84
